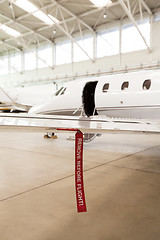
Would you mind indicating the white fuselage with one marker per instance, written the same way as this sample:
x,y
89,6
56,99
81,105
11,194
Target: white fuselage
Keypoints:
x,y
127,95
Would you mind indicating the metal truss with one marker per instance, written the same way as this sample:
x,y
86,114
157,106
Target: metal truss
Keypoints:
x,y
10,45
146,6
21,41
127,8
79,24
62,25
16,21
157,6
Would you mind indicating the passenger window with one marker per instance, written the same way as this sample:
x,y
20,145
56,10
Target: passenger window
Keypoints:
x,y
147,84
105,87
125,85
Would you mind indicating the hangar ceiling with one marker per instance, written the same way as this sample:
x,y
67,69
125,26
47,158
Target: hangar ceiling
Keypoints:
x,y
37,21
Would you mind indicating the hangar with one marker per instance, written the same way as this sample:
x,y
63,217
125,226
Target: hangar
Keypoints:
x,y
90,58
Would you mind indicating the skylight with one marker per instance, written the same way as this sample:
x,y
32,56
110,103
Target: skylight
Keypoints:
x,y
31,8
53,18
100,3
9,31
25,5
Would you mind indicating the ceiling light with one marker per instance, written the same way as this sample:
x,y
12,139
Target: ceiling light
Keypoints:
x,y
54,31
43,17
100,3
105,15
9,31
31,8
10,5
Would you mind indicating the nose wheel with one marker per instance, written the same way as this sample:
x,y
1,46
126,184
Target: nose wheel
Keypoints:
x,y
50,135
87,137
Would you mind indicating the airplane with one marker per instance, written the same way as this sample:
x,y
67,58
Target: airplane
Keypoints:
x,y
129,100
132,95
127,95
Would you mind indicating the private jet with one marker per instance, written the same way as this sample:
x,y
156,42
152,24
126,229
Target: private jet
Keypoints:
x,y
122,102
129,95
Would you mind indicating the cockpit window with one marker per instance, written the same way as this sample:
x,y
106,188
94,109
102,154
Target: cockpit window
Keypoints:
x,y
146,84
57,93
63,91
105,87
125,85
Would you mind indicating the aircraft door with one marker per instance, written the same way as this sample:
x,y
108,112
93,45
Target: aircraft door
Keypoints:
x,y
88,98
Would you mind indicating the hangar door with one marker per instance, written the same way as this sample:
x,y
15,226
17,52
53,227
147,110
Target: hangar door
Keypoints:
x,y
88,98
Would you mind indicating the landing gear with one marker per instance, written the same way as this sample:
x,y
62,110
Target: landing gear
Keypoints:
x,y
88,137
50,135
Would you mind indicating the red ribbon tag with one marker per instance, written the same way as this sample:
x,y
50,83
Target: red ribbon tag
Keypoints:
x,y
80,195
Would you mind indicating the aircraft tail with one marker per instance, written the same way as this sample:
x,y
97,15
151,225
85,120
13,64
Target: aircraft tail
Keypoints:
x,y
8,104
5,98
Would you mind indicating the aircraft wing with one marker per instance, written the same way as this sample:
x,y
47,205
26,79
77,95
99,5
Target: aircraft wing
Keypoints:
x,y
95,124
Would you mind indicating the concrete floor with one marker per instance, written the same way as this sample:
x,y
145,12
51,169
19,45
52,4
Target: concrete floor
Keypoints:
x,y
122,185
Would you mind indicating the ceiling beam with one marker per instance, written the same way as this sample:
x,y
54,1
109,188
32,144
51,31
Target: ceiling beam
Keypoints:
x,y
66,32
37,32
146,6
40,8
157,6
73,15
72,39
98,19
10,45
79,4
133,3
130,16
10,20
2,1
85,14
98,9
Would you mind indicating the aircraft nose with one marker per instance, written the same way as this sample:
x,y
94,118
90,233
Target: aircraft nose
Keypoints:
x,y
33,110
40,109
37,109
